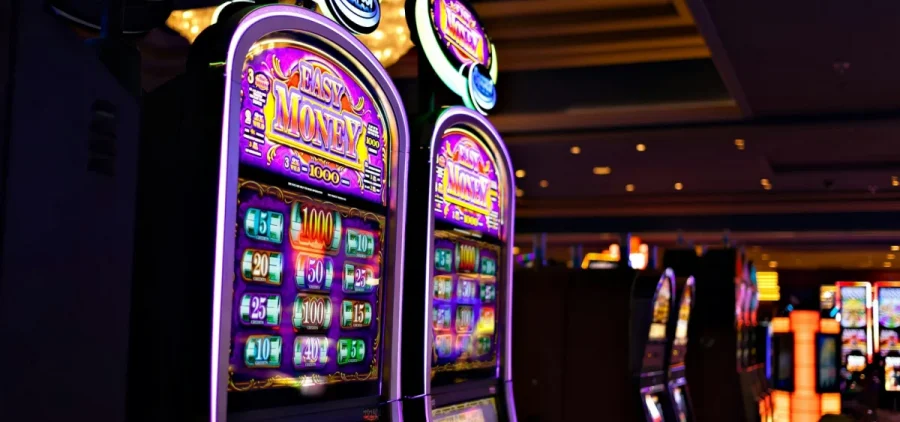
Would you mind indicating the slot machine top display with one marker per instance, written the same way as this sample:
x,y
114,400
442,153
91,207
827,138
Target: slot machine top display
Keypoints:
x,y
653,359
310,214
886,315
855,301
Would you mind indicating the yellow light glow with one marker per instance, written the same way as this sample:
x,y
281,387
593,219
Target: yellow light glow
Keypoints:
x,y
519,193
544,183
887,265
640,147
740,144
602,171
891,256
781,325
781,404
831,404
767,187
515,250
829,326
520,173
629,188
764,181
895,181
575,150
773,264
895,248
388,49
678,186
767,286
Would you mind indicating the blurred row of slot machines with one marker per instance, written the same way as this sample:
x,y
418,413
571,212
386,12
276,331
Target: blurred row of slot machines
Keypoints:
x,y
612,344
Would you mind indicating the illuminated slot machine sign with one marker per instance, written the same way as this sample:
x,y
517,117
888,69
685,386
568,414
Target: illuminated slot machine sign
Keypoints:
x,y
484,410
468,209
317,124
887,331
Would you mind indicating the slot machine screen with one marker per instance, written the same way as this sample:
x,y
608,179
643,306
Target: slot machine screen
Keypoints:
x,y
888,319
827,363
661,311
892,373
311,223
783,345
853,307
680,404
654,407
484,410
468,207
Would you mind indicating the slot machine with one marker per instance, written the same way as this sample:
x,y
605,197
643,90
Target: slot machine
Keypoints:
x,y
457,352
854,299
716,360
886,340
270,242
684,264
827,306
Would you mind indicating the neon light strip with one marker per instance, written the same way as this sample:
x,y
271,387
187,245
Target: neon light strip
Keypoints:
x,y
254,25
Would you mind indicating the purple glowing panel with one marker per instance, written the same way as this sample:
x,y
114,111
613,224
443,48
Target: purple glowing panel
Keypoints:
x,y
316,321
467,189
460,33
305,116
464,304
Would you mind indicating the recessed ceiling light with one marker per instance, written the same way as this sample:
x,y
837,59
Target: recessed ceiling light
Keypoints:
x,y
773,264
519,193
516,250
678,186
887,265
895,248
891,256
544,183
602,171
767,187
520,173
575,150
629,187
764,182
740,144
895,181
641,147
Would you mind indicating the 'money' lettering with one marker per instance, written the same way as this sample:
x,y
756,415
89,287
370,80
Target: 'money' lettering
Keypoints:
x,y
307,118
467,185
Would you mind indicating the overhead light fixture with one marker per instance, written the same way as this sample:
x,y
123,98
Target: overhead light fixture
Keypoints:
x,y
575,150
544,183
895,248
629,187
773,264
641,147
887,265
678,186
767,187
764,182
602,171
891,256
740,144
895,181
519,193
520,173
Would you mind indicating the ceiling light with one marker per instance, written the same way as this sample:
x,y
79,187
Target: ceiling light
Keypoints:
x,y
895,181
575,150
767,187
895,248
602,171
629,187
773,264
887,265
516,250
544,183
519,193
641,147
678,186
520,173
739,143
891,256
764,182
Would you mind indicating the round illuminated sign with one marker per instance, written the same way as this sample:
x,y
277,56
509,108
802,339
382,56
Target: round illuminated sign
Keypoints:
x,y
454,41
360,16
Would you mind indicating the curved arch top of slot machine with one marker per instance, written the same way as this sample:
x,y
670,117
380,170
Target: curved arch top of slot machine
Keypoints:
x,y
313,164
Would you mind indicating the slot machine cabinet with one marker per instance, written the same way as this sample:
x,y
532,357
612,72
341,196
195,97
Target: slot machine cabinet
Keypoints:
x,y
270,248
684,263
756,345
886,341
806,359
460,268
600,345
854,299
715,361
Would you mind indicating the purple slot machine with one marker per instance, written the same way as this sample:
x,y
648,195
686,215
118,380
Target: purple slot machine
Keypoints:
x,y
285,298
458,273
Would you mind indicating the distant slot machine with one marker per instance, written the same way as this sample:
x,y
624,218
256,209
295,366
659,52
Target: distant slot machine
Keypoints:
x,y
457,352
854,299
274,177
886,339
684,263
